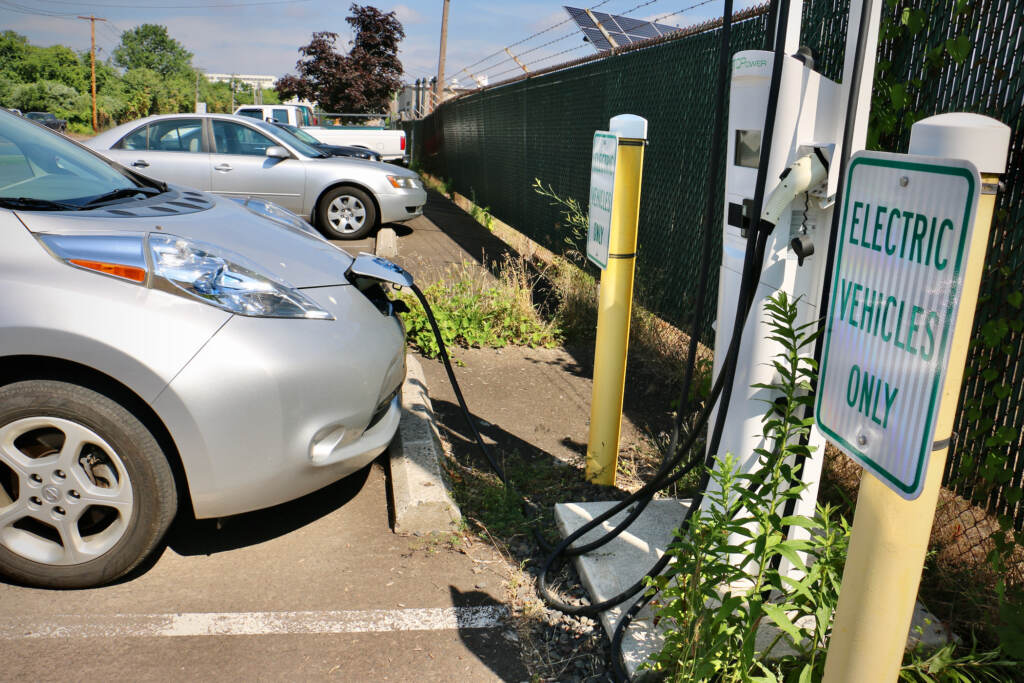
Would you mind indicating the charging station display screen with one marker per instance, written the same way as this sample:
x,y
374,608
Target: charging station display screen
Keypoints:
x,y
748,148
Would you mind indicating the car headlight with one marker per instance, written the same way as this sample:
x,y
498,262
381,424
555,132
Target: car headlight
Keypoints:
x,y
188,268
405,182
277,213
226,280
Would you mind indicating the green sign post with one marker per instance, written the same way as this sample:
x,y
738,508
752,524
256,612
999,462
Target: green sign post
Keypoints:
x,y
602,191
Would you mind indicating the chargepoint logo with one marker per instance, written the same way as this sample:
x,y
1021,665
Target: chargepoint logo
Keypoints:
x,y
740,62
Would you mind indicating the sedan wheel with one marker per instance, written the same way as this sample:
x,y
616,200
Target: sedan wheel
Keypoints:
x,y
347,213
85,491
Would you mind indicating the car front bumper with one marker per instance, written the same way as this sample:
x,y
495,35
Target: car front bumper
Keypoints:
x,y
402,205
271,409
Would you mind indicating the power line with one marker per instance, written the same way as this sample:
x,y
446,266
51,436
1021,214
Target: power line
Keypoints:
x,y
137,6
24,9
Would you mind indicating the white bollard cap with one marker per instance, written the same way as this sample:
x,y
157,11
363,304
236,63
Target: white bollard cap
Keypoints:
x,y
982,140
629,126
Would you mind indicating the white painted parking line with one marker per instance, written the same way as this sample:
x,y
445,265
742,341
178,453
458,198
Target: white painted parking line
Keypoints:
x,y
252,623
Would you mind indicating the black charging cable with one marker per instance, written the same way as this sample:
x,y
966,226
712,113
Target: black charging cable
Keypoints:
x,y
529,510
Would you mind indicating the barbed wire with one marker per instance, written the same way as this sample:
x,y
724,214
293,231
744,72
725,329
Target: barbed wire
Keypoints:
x,y
641,5
528,38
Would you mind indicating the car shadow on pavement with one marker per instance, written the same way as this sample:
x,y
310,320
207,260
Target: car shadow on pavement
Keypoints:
x,y
191,536
496,648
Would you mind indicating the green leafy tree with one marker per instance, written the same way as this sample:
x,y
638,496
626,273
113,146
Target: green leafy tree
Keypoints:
x,y
150,47
43,96
362,81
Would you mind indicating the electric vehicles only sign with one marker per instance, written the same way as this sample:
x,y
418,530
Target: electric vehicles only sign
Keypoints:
x,y
602,190
899,269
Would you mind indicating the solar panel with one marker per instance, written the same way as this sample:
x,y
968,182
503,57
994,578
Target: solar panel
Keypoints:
x,y
623,30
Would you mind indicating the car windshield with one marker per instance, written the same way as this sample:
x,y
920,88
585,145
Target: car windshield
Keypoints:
x,y
299,133
300,146
42,170
39,116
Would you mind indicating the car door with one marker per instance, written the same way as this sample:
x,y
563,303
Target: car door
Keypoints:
x,y
171,150
241,167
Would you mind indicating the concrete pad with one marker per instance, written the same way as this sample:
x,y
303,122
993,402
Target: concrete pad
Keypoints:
x,y
611,569
419,491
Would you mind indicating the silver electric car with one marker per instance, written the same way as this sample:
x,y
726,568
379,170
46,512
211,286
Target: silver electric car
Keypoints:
x,y
238,156
163,347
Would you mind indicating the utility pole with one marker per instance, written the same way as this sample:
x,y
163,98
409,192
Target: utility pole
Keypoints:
x,y
439,88
92,60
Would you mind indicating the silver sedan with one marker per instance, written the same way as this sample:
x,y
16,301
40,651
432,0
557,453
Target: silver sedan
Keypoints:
x,y
162,347
236,156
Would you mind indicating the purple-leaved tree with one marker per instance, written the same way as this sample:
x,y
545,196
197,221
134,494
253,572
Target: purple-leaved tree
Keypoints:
x,y
360,82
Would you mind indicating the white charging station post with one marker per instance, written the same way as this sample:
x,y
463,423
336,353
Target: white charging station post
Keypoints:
x,y
810,115
905,454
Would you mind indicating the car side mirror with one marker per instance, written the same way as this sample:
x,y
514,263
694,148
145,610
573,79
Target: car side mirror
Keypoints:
x,y
278,152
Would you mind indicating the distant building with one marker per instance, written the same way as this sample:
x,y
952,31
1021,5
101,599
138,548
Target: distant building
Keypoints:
x,y
255,81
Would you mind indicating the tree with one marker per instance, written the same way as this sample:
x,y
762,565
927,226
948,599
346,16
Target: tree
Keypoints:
x,y
150,47
364,80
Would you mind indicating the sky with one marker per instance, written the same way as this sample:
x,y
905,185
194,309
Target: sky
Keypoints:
x,y
263,36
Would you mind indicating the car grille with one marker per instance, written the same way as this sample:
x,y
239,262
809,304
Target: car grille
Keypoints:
x,y
381,410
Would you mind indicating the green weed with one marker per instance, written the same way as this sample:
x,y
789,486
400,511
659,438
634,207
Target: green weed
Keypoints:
x,y
474,313
725,583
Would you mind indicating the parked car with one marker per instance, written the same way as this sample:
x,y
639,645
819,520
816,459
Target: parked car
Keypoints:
x,y
17,112
47,119
333,150
162,346
235,156
390,144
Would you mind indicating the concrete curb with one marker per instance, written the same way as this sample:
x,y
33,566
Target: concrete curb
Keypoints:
x,y
419,492
417,487
386,244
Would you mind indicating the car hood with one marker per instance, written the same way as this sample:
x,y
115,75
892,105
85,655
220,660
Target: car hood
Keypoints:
x,y
297,258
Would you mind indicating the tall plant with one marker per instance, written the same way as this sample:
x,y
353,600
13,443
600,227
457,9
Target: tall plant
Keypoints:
x,y
729,610
726,582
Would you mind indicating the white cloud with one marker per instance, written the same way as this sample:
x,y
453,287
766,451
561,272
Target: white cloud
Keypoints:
x,y
407,15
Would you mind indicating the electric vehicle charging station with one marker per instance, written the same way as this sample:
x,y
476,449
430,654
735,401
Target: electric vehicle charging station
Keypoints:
x,y
796,152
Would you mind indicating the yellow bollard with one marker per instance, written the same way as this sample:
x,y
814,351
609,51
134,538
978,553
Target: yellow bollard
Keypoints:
x,y
614,307
890,535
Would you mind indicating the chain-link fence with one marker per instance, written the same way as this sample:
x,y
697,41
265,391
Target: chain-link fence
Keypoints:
x,y
493,144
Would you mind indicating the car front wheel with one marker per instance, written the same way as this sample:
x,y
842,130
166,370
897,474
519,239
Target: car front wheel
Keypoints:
x,y
346,213
86,493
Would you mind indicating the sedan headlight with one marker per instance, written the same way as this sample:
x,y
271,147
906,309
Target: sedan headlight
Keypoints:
x,y
223,279
405,182
277,213
195,270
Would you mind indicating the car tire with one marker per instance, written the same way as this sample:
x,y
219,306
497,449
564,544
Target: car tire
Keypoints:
x,y
346,213
86,492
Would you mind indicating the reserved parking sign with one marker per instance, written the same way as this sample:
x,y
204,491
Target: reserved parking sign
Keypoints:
x,y
602,190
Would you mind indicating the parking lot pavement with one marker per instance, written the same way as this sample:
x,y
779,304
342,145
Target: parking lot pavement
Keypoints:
x,y
319,588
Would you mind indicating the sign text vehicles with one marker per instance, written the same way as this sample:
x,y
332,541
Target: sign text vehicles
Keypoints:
x,y
899,268
602,190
